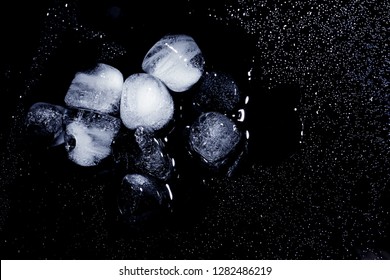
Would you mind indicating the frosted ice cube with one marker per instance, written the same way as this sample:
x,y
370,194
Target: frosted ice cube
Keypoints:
x,y
217,92
145,102
44,120
89,135
99,89
213,136
176,60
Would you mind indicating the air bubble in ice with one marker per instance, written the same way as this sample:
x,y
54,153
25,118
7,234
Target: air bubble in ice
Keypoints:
x,y
44,120
99,89
89,135
176,60
213,136
145,102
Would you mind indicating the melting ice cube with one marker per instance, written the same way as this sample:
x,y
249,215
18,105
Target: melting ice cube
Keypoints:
x,y
176,60
145,102
213,136
44,120
89,135
99,89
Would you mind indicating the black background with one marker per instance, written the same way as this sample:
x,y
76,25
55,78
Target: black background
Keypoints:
x,y
317,196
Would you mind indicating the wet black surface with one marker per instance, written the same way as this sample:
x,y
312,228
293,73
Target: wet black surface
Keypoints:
x,y
314,184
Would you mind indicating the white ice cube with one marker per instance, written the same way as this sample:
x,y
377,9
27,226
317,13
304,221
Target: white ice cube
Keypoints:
x,y
176,60
99,89
89,135
145,102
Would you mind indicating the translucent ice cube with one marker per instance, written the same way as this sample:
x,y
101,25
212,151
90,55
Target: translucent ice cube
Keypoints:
x,y
142,199
44,120
89,135
99,89
217,92
176,60
151,157
213,136
140,151
145,102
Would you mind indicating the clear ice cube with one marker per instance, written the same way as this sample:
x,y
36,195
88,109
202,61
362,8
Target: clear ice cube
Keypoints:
x,y
151,157
213,136
142,200
217,92
44,120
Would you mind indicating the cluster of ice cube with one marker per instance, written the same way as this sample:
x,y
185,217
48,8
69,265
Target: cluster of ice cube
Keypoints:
x,y
99,101
175,63
84,125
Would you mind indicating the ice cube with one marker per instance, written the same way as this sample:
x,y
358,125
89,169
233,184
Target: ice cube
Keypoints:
x,y
140,151
213,136
99,89
176,60
89,135
145,102
44,120
142,199
217,92
151,157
